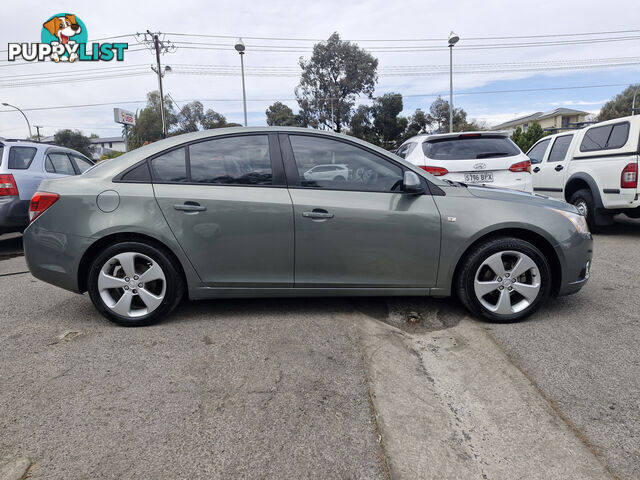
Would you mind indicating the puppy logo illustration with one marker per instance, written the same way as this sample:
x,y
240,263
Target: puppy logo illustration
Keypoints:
x,y
64,29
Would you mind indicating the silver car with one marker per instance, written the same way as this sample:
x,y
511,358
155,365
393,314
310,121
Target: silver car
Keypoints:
x,y
228,213
23,165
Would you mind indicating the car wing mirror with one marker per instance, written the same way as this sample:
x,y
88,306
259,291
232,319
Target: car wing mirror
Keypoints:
x,y
411,183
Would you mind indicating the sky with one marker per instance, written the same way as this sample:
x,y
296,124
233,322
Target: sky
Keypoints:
x,y
380,27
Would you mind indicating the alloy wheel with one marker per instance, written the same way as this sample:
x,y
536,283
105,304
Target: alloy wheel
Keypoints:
x,y
132,284
507,282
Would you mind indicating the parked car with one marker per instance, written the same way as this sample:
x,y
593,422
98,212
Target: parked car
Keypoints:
x,y
595,169
23,165
141,233
331,171
481,158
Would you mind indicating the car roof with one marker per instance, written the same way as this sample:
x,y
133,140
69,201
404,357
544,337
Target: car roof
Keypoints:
x,y
423,137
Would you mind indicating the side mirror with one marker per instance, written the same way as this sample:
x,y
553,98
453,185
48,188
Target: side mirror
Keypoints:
x,y
411,183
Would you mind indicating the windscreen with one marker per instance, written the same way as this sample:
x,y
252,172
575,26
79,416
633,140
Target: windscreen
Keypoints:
x,y
470,148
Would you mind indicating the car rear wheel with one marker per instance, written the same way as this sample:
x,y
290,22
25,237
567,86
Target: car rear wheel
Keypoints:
x,y
504,279
134,284
583,201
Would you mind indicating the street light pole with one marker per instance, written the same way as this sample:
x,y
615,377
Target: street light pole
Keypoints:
x,y
25,117
453,39
240,48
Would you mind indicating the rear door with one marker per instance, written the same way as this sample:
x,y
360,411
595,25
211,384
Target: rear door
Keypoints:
x,y
226,202
550,179
362,231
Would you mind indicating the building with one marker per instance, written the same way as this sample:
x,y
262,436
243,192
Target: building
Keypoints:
x,y
103,145
553,120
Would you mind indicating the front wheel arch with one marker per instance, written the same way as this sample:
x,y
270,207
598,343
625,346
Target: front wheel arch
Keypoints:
x,y
92,252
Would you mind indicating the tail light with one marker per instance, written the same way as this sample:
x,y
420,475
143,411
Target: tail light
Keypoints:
x,y
435,171
629,177
8,186
521,166
40,202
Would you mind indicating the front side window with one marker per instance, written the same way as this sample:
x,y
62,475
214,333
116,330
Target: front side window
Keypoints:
x,y
59,162
560,148
344,166
470,148
536,154
606,137
20,158
170,166
242,160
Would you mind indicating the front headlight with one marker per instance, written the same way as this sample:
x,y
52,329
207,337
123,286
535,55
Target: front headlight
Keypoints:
x,y
578,221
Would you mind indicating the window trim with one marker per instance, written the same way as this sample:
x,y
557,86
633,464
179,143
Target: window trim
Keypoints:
x,y
554,144
606,147
277,168
30,161
293,175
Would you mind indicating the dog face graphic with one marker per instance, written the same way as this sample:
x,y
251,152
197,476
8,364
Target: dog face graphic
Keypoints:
x,y
63,27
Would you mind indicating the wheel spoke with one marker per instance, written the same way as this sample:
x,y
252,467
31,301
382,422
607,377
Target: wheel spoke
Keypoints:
x,y
150,300
123,305
153,273
494,262
504,303
106,282
127,263
482,288
530,292
524,264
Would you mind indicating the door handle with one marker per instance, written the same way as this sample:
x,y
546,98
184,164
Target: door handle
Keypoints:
x,y
317,213
190,207
536,170
558,168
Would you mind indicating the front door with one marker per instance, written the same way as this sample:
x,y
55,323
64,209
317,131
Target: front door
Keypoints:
x,y
358,229
226,203
550,179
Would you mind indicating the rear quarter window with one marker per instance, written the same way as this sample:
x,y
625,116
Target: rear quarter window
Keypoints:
x,y
20,158
606,137
469,148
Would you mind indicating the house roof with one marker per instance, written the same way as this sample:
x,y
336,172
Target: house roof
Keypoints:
x,y
107,139
539,116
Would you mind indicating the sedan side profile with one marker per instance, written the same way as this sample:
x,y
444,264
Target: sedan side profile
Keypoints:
x,y
234,213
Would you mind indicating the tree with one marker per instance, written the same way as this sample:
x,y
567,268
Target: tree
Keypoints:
x,y
620,105
525,140
148,127
439,117
388,125
336,74
417,124
73,139
281,115
361,125
193,117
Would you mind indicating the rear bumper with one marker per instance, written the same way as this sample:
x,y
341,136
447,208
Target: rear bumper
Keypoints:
x,y
578,253
14,214
54,257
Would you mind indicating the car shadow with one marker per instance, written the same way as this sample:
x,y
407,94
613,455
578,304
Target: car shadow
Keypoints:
x,y
10,245
622,225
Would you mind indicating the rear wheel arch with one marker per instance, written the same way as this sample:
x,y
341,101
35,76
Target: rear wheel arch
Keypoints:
x,y
582,181
537,240
93,251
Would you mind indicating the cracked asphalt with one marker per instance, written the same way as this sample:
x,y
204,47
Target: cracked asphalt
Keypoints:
x,y
324,388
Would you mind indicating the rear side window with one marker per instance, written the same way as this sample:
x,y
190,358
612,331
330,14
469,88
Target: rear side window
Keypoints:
x,y
170,166
242,160
82,163
559,149
469,148
58,162
20,158
406,149
606,137
137,174
536,154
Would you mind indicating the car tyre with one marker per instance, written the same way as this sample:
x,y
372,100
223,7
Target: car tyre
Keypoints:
x,y
116,274
583,201
485,280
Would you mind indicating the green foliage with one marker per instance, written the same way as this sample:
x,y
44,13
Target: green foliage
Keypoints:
x,y
387,122
620,105
73,139
148,127
193,117
439,117
525,140
280,115
336,74
111,154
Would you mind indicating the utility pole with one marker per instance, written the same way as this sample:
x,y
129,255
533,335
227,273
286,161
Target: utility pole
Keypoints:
x,y
154,43
38,127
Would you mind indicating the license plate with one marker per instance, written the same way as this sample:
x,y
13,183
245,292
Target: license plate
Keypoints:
x,y
484,177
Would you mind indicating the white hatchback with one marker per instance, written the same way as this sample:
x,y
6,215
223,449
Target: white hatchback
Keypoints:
x,y
479,158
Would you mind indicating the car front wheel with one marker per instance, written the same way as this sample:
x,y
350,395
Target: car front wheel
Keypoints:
x,y
134,284
504,279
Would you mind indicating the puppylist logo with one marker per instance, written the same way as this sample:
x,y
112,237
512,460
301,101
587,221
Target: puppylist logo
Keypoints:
x,y
64,39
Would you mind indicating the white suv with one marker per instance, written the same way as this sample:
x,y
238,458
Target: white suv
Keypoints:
x,y
484,158
329,171
595,168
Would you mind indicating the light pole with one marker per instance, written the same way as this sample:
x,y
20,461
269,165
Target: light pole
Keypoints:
x,y
240,48
25,117
453,39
